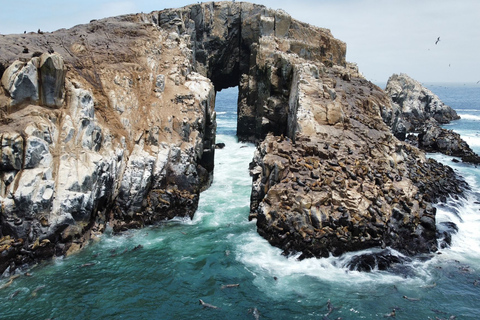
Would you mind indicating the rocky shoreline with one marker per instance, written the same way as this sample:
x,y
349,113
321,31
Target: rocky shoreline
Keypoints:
x,y
113,122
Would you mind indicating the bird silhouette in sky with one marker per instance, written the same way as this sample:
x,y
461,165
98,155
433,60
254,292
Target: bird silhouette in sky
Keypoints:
x,y
438,39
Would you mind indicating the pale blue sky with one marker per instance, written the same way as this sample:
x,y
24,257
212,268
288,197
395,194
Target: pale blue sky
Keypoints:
x,y
383,36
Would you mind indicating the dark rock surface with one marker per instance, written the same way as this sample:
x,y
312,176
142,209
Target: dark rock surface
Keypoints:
x,y
318,200
383,260
433,138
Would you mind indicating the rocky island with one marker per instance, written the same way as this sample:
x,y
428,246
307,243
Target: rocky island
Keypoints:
x,y
113,123
417,110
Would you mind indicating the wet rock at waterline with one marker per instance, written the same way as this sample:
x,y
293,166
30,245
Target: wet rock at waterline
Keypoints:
x,y
382,260
433,138
117,126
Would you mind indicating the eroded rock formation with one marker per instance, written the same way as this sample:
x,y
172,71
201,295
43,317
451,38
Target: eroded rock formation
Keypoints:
x,y
116,124
412,105
415,109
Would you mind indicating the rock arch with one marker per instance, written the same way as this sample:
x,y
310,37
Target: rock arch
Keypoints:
x,y
123,132
250,46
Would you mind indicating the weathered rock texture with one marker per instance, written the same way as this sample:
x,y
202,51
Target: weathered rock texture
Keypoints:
x,y
118,125
433,138
415,109
412,106
114,126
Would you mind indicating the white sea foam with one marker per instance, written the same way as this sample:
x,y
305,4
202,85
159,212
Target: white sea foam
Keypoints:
x,y
266,262
472,140
465,214
469,117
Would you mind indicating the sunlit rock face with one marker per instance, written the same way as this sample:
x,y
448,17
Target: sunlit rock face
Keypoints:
x,y
413,105
114,122
415,109
114,125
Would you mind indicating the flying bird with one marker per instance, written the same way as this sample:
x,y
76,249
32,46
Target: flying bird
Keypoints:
x,y
438,39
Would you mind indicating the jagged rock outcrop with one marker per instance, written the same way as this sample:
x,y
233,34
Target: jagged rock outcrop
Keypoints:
x,y
433,138
347,187
412,105
118,126
415,109
257,49
114,126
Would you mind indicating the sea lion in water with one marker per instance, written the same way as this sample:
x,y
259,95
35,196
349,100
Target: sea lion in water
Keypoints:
x,y
411,299
330,307
87,264
255,312
6,285
207,305
34,293
230,286
10,281
14,294
137,247
391,314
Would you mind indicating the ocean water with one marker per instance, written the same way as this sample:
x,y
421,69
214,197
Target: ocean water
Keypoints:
x,y
185,260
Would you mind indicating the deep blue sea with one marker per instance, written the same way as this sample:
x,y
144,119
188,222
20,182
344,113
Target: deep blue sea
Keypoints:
x,y
183,261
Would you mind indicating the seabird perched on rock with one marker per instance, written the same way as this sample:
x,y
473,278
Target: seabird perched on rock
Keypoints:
x,y
438,39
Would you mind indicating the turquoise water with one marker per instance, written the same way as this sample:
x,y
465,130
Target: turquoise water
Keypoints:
x,y
183,261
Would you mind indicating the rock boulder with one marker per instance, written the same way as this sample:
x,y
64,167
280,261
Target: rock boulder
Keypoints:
x,y
415,109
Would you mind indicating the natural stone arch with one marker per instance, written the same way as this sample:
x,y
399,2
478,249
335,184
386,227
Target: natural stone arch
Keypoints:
x,y
139,116
254,48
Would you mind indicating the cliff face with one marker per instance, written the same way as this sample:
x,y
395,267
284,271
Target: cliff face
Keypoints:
x,y
257,49
114,126
114,121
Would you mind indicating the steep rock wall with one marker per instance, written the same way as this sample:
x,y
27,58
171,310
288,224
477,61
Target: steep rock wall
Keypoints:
x,y
255,48
113,126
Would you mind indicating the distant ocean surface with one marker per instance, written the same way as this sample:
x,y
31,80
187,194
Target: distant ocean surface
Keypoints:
x,y
183,261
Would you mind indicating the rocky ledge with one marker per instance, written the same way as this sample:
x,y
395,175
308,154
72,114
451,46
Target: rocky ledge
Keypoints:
x,y
113,122
416,116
